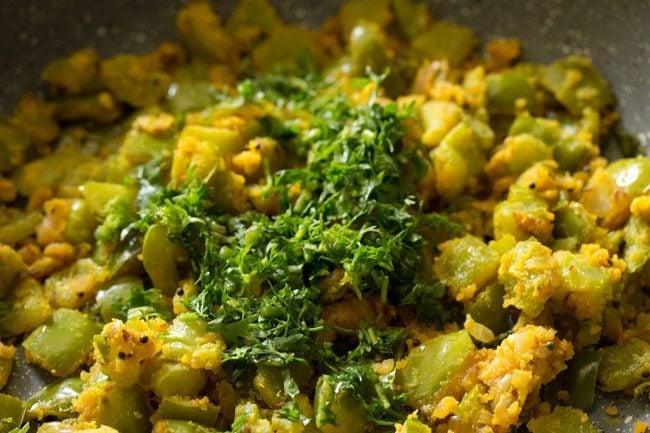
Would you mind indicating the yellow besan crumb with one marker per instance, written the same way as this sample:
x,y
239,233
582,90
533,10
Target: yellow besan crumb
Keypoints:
x,y
640,427
446,406
640,207
517,368
611,410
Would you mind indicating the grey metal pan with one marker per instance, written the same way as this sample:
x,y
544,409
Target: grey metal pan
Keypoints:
x,y
615,34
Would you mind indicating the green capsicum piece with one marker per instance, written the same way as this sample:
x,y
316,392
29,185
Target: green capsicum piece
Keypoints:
x,y
63,343
124,409
113,297
428,366
446,41
75,74
581,374
136,80
12,269
465,263
13,147
562,420
101,108
55,399
637,244
176,379
7,353
632,175
28,307
413,425
374,11
12,412
99,194
140,147
180,426
199,410
624,365
159,256
505,89
120,298
252,20
487,309
199,27
574,221
288,49
412,17
190,95
38,126
19,228
577,85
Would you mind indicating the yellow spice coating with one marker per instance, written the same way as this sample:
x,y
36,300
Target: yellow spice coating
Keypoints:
x,y
523,362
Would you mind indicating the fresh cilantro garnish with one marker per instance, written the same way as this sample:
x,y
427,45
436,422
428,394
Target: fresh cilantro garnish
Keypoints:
x,y
350,205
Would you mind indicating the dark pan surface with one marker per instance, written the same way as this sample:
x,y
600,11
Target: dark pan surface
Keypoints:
x,y
615,34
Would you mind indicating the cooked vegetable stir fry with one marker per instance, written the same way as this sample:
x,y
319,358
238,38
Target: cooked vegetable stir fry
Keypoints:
x,y
377,226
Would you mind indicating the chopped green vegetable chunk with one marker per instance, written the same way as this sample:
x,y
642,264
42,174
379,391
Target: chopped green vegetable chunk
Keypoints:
x,y
63,343
12,412
55,399
576,83
428,366
446,41
624,365
562,420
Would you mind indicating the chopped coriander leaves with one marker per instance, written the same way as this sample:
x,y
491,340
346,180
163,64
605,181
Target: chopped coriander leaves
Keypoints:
x,y
260,278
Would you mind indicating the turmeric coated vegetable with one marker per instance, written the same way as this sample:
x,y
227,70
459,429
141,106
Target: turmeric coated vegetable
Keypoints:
x,y
27,308
530,276
466,265
577,84
562,419
624,364
372,226
445,41
7,353
179,426
124,409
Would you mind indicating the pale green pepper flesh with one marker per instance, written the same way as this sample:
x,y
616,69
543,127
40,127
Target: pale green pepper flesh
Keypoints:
x,y
12,411
199,410
177,379
577,84
62,344
124,409
429,366
446,41
55,399
164,160
180,426
624,365
562,420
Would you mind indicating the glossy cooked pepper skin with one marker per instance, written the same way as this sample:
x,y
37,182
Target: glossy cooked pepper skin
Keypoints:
x,y
371,226
63,343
